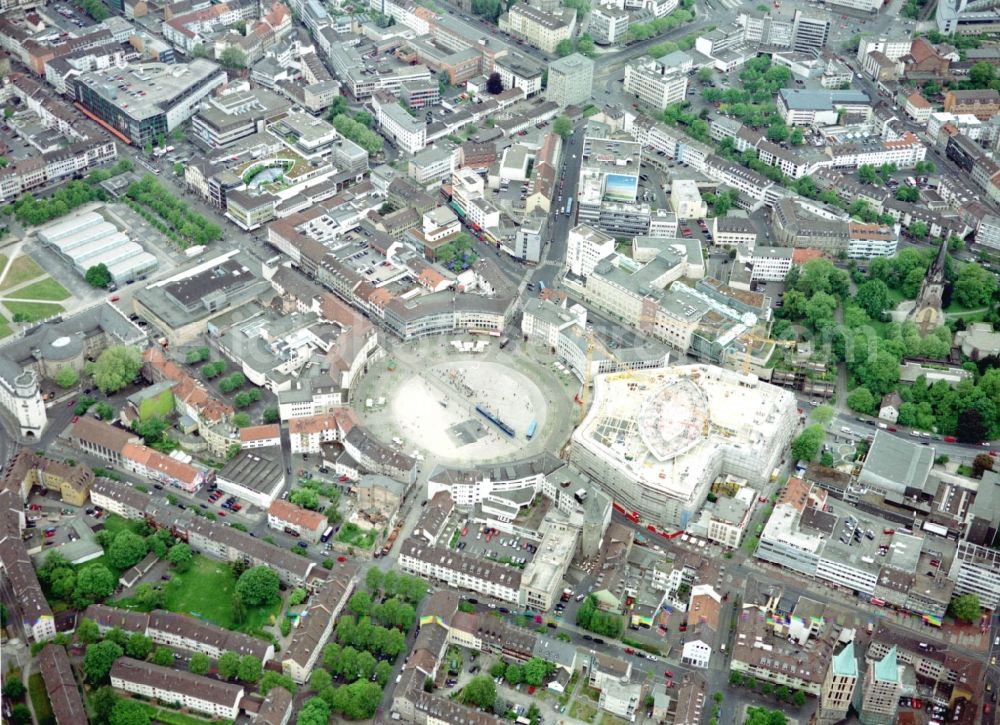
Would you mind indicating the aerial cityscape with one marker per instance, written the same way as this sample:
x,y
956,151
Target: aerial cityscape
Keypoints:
x,y
461,362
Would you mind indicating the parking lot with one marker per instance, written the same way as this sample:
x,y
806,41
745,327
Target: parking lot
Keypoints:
x,y
479,541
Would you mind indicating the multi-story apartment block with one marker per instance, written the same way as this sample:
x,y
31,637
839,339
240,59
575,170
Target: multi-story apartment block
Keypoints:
x,y
288,517
809,34
179,687
983,104
180,631
461,571
542,29
654,83
871,240
317,623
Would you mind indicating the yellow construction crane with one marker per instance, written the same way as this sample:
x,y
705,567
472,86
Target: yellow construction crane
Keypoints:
x,y
591,342
749,339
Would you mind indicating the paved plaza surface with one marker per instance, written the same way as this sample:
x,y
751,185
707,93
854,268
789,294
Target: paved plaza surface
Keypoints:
x,y
425,395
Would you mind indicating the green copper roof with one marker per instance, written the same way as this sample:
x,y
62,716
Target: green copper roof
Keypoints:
x,y
887,670
845,664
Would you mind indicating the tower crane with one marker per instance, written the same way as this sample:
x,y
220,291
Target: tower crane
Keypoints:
x,y
749,339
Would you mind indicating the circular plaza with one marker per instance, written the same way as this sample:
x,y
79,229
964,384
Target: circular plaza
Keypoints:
x,y
467,404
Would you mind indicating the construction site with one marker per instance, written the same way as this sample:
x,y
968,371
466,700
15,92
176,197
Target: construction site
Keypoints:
x,y
657,439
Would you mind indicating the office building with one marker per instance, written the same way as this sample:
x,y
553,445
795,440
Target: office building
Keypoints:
x,y
608,24
150,100
570,80
877,700
976,570
821,108
409,134
809,34
654,83
586,247
686,201
838,686
966,17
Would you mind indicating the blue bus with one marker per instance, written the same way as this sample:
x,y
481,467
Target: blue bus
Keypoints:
x,y
531,430
569,206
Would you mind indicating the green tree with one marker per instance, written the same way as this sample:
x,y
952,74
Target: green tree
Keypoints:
x,y
129,712
873,297
250,669
585,45
163,657
879,373
982,74
126,550
320,680
305,498
116,367
66,377
139,646
806,446
271,415
228,665
965,607
919,229
822,414
315,712
94,583
98,276
974,286
480,692
562,127
360,603
297,596
102,703
513,674
98,658
13,688
241,420
273,679
908,193
564,47
148,598
180,556
104,411
87,631
20,714
199,664
861,400
798,698
258,585
233,57
796,138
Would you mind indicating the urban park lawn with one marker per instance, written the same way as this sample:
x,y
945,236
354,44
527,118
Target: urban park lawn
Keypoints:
x,y
206,591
